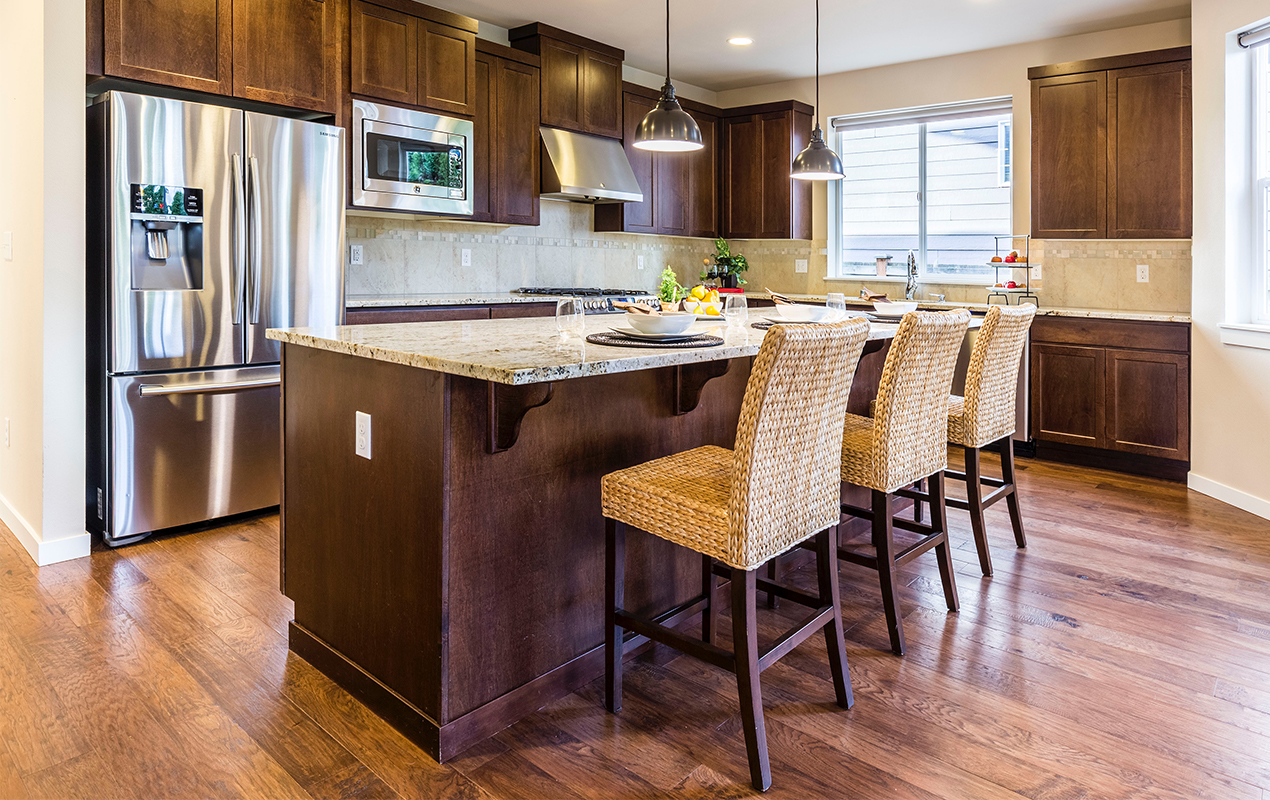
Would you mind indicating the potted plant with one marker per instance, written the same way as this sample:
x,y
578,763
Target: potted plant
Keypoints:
x,y
670,291
727,265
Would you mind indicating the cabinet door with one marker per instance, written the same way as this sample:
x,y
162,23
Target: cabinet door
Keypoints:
x,y
1149,152
187,45
638,217
670,193
515,148
703,181
447,68
382,52
742,178
1068,394
562,76
484,176
775,132
1069,157
1148,403
285,53
601,95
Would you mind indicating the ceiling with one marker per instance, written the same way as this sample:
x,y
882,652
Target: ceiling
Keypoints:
x,y
855,33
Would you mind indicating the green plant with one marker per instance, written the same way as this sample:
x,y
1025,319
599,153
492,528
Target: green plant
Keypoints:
x,y
731,264
670,290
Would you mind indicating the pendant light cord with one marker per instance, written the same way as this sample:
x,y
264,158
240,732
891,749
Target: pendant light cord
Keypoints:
x,y
817,109
668,40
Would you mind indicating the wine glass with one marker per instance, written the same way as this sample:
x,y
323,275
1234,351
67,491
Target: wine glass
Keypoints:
x,y
735,310
837,302
570,318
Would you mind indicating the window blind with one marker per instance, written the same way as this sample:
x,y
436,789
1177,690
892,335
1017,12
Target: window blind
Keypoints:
x,y
909,116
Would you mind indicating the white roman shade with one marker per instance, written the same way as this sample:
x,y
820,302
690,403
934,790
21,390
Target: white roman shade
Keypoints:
x,y
911,116
1256,36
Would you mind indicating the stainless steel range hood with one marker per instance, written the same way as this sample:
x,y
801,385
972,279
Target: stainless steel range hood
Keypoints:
x,y
586,169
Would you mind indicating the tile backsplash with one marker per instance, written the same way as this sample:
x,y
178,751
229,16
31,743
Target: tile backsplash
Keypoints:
x,y
422,256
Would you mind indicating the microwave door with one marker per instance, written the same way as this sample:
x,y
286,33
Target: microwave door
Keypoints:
x,y
295,190
175,211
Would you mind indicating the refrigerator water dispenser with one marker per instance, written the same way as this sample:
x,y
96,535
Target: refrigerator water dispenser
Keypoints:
x,y
167,238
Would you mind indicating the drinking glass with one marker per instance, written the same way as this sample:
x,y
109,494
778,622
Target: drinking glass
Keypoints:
x,y
735,311
570,318
837,301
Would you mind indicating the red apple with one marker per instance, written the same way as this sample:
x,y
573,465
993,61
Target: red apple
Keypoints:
x,y
1011,285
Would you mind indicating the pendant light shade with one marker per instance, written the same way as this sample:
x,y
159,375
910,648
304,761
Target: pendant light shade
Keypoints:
x,y
668,128
817,161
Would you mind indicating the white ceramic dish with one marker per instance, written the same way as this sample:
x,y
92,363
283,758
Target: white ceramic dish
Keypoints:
x,y
699,306
894,309
675,322
801,312
1006,289
627,330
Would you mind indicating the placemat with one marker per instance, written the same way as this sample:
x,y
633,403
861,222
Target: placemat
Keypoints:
x,y
618,340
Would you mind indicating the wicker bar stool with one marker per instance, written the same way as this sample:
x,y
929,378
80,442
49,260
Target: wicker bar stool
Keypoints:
x,y
904,442
985,417
740,508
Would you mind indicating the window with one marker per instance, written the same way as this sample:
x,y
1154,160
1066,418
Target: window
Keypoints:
x,y
1261,181
934,180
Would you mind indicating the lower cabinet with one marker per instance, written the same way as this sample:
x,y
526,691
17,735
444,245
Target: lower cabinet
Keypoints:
x,y
1112,385
398,314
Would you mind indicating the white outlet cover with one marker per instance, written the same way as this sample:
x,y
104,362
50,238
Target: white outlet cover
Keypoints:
x,y
800,265
1036,271
363,435
6,245
6,431
356,255
467,257
1144,273
639,262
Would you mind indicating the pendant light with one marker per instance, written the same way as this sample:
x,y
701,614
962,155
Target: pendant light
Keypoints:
x,y
817,161
668,128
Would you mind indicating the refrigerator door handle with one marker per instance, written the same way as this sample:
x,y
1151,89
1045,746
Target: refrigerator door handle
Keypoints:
x,y
240,241
255,278
158,389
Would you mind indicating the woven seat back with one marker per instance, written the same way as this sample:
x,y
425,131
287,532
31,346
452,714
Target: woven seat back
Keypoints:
x,y
992,378
911,414
785,480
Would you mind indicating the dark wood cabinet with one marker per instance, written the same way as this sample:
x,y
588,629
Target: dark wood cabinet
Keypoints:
x,y
187,45
400,314
1112,385
286,52
505,164
581,79
404,52
1111,147
680,189
760,200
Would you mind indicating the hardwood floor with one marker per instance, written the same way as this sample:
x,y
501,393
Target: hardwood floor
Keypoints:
x,y
1124,654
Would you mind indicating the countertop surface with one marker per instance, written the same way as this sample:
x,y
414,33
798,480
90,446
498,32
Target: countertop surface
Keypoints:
x,y
444,299
519,351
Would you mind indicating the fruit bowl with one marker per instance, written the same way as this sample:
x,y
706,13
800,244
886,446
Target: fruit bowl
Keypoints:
x,y
666,322
894,309
700,306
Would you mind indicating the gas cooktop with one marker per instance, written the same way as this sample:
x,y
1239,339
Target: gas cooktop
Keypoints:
x,y
579,291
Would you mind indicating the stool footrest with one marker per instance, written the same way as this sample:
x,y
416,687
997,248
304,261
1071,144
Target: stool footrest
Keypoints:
x,y
988,499
709,653
795,637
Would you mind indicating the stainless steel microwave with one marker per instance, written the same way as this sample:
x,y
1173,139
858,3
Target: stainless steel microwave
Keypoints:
x,y
407,160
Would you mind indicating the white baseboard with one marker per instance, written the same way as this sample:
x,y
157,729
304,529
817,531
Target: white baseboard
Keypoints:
x,y
1228,495
43,553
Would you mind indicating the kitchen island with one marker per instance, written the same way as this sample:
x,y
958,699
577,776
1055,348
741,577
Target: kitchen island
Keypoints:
x,y
454,580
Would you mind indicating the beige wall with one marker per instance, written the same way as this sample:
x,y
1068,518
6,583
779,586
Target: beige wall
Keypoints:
x,y
1230,386
42,288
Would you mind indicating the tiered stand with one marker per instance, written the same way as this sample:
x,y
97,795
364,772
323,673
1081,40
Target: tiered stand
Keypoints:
x,y
1020,293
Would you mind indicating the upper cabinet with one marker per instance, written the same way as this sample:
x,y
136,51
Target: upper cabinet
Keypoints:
x,y
760,199
505,165
404,52
275,51
1111,147
581,79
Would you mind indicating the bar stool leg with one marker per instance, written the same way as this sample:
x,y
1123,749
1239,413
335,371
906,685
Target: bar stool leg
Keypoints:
x,y
939,521
917,504
614,596
827,574
884,544
974,499
745,644
708,617
773,575
1012,499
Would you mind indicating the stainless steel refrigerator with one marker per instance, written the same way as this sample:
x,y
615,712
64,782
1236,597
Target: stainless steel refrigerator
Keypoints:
x,y
207,226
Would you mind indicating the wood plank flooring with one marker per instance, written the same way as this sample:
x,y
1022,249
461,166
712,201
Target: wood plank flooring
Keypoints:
x,y
1124,654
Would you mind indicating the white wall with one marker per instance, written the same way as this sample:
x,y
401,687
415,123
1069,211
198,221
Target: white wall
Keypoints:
x,y
42,288
1230,386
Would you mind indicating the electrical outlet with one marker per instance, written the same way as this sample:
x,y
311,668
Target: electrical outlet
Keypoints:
x,y
639,262
467,257
800,265
1036,272
356,255
363,435
1144,273
6,431
6,245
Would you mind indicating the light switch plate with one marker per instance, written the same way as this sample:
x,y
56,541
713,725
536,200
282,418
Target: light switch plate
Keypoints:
x,y
356,255
1144,273
363,435
6,431
6,245
467,257
639,262
800,265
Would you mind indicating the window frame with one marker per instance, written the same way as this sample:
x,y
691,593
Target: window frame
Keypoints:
x,y
921,116
1260,182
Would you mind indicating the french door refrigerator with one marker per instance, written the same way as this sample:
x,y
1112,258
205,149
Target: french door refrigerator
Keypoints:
x,y
207,226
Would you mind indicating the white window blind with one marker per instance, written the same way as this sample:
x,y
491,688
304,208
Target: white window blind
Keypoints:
x,y
935,180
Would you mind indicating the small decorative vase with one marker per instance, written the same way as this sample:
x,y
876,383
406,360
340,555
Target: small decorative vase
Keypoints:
x,y
730,281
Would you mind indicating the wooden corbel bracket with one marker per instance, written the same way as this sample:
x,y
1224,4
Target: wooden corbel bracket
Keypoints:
x,y
690,379
508,406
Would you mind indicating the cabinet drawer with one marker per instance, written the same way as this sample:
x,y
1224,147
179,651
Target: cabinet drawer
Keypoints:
x,y
1168,336
381,316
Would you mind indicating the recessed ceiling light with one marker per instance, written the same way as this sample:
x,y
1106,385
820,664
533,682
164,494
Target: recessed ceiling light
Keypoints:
x,y
740,41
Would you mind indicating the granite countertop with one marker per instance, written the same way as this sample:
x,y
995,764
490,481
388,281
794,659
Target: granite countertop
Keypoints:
x,y
444,299
1044,311
518,351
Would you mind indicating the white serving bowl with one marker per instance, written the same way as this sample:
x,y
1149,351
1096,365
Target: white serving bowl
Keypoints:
x,y
700,306
894,309
672,322
801,312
